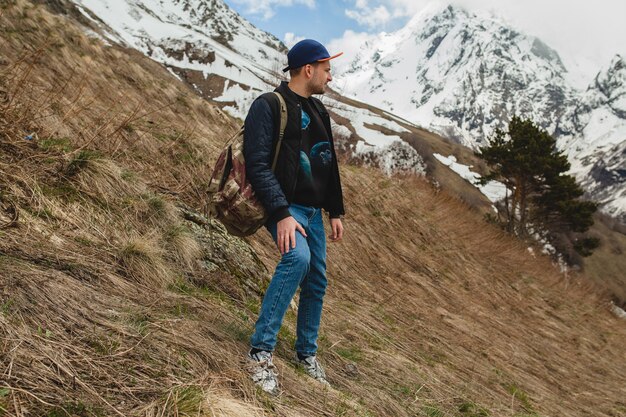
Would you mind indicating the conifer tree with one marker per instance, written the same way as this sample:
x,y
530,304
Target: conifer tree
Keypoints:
x,y
542,197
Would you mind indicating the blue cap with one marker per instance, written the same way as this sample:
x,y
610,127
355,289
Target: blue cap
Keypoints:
x,y
305,52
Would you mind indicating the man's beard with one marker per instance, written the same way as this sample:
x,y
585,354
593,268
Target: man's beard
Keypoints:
x,y
317,89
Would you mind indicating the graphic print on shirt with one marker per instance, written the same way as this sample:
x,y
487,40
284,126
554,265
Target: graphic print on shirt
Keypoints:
x,y
319,158
306,120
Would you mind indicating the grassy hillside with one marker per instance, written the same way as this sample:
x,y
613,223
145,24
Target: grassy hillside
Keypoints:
x,y
607,264
118,297
604,267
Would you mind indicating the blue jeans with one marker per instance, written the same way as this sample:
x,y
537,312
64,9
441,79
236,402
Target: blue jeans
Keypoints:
x,y
303,267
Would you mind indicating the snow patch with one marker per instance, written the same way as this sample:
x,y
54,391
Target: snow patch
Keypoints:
x,y
493,190
396,157
618,311
340,132
385,150
360,117
241,98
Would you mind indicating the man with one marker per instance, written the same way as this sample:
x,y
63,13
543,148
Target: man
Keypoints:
x,y
305,181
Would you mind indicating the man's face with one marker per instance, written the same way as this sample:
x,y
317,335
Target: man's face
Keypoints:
x,y
320,77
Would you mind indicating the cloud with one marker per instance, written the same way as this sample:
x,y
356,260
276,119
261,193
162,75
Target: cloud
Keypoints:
x,y
371,18
376,16
350,44
266,8
291,39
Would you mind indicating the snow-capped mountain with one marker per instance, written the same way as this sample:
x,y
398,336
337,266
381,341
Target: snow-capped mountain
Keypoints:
x,y
203,42
599,119
597,146
463,75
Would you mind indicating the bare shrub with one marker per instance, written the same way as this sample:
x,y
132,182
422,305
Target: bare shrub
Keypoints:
x,y
152,210
141,259
101,177
199,399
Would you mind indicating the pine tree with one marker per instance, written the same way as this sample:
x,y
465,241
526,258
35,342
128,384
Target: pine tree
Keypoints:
x,y
543,197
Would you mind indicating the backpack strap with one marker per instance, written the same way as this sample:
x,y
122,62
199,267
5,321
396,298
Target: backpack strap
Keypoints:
x,y
283,125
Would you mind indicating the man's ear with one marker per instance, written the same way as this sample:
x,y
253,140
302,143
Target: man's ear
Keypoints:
x,y
308,70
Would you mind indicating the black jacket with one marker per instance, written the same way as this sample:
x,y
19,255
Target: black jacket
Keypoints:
x,y
275,190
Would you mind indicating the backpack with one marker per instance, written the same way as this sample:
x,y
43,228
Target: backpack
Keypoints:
x,y
231,198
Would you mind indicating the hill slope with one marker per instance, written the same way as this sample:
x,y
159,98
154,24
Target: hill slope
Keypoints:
x,y
119,298
229,62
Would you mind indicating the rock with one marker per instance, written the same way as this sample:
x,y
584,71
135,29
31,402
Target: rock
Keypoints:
x,y
351,370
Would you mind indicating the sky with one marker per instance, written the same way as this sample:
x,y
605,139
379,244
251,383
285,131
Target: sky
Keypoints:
x,y
587,34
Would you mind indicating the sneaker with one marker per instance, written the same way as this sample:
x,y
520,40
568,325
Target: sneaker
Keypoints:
x,y
313,368
263,372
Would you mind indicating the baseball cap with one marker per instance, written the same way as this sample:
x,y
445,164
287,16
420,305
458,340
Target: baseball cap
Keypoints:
x,y
305,52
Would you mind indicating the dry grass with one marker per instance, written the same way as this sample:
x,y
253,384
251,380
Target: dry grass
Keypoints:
x,y
101,178
182,244
112,304
456,312
142,261
607,264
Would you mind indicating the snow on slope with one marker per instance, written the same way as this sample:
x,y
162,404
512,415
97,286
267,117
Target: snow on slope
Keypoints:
x,y
387,151
493,190
600,116
597,151
203,36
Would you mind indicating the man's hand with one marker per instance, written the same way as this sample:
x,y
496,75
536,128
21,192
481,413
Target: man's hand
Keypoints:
x,y
336,229
286,234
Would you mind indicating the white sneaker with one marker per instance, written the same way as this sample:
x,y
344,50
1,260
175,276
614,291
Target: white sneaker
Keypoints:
x,y
263,372
313,368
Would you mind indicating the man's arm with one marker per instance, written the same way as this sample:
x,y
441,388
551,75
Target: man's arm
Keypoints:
x,y
257,148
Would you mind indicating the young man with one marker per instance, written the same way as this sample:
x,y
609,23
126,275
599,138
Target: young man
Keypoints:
x,y
305,181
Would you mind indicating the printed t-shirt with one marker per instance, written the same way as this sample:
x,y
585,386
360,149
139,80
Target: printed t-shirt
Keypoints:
x,y
315,158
